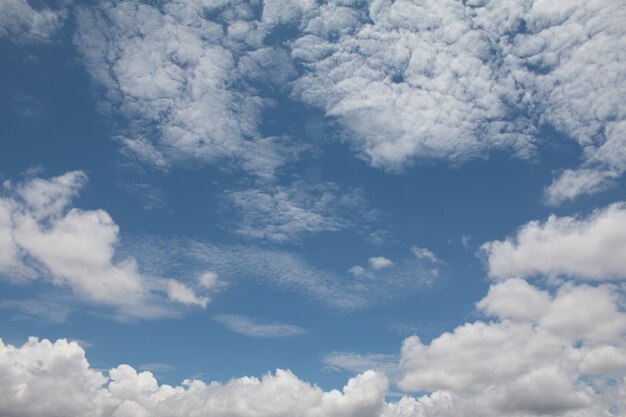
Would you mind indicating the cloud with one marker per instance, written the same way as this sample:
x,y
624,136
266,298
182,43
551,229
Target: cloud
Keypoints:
x,y
248,326
282,271
455,81
181,293
591,247
42,236
358,363
23,23
41,379
409,81
183,80
542,354
288,213
379,262
425,253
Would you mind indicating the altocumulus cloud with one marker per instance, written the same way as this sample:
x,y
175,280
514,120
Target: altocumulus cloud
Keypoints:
x,y
23,23
181,79
406,81
454,80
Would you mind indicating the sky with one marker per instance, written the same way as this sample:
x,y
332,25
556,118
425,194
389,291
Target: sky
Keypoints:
x,y
273,208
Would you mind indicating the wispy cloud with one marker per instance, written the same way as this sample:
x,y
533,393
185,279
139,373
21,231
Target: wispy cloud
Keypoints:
x,y
287,213
285,271
252,327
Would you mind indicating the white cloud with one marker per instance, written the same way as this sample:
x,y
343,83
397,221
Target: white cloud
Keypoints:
x,y
289,213
41,379
248,326
357,271
411,81
592,247
379,262
543,354
42,236
282,270
180,78
181,293
208,280
425,253
453,80
23,23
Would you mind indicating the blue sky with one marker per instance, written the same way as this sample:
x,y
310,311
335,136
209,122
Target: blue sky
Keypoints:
x,y
421,200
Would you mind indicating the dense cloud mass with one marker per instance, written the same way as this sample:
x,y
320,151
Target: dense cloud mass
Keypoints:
x,y
41,235
407,81
592,247
454,80
183,81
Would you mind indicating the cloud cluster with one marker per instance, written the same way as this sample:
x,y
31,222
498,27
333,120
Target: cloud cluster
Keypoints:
x,y
22,23
591,248
41,235
44,379
543,354
182,74
455,80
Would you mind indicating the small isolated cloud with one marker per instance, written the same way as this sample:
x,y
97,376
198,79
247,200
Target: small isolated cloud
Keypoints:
x,y
208,280
180,293
425,253
591,247
379,262
24,23
249,326
357,271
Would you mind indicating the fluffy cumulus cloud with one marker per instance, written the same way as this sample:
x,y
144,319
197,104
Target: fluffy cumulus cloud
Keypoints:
x,y
41,235
592,247
44,379
181,73
24,23
543,354
454,80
